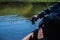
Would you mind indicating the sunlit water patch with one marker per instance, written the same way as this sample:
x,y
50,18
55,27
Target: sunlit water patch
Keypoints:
x,y
13,27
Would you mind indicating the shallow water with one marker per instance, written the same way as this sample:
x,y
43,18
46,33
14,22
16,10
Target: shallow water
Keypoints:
x,y
13,27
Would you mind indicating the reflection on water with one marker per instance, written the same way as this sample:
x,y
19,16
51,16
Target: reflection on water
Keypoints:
x,y
13,27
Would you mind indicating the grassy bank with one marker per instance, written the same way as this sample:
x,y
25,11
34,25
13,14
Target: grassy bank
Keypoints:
x,y
22,9
28,0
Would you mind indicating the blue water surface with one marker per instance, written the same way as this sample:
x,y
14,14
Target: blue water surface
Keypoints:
x,y
13,27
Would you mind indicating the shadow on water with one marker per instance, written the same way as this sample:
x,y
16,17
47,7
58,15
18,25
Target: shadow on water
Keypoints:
x,y
13,27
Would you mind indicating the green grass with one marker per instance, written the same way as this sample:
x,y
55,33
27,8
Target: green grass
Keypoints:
x,y
41,7
41,0
28,0
16,10
26,10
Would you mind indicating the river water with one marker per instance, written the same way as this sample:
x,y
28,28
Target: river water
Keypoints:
x,y
13,27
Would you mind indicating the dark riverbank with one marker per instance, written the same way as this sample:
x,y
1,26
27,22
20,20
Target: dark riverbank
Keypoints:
x,y
25,9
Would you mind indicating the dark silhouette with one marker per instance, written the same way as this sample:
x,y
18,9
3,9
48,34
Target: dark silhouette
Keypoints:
x,y
51,22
